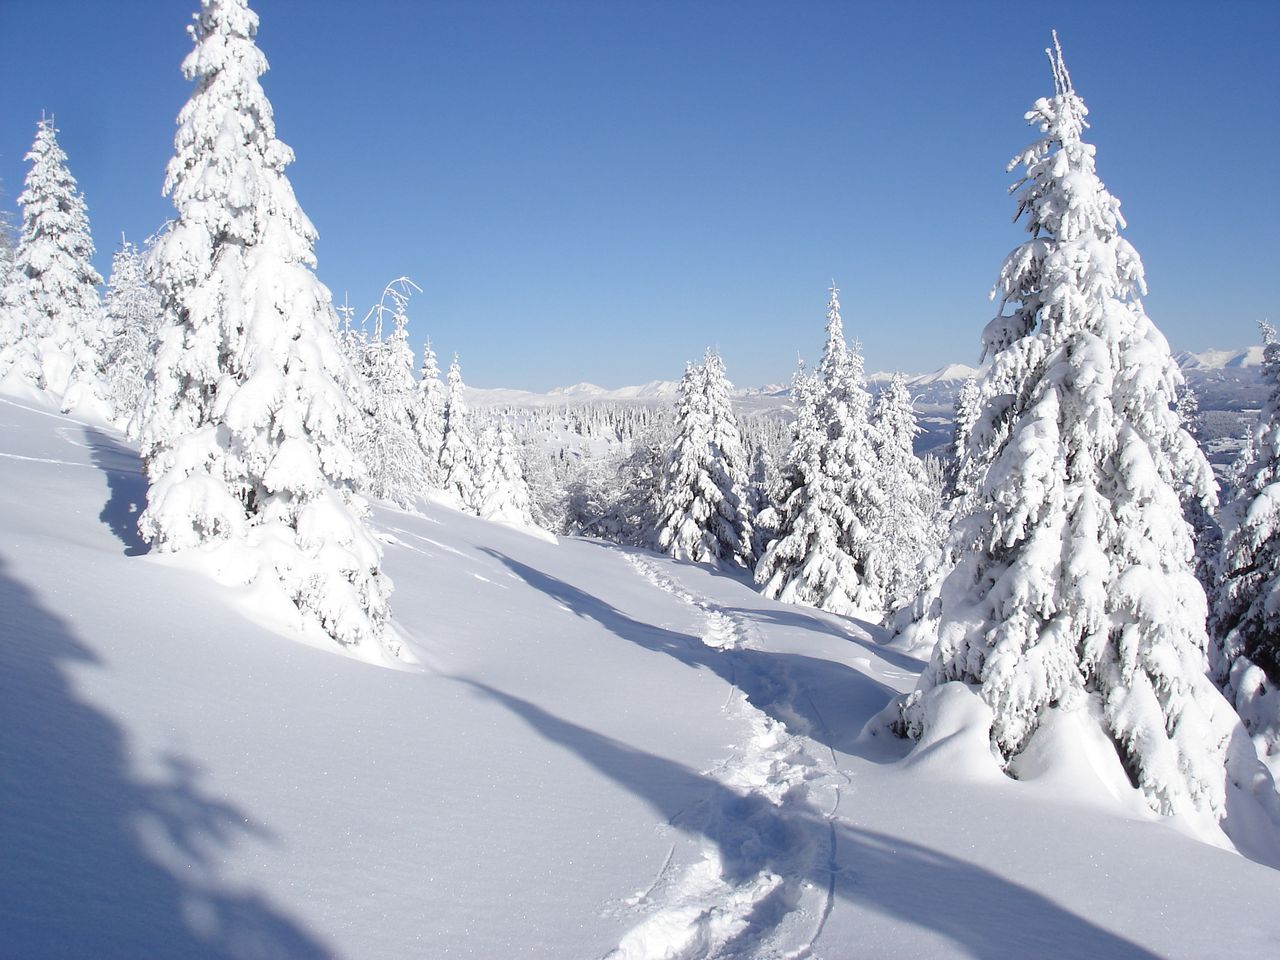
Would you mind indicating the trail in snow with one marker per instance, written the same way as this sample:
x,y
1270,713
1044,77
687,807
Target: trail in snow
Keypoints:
x,y
753,892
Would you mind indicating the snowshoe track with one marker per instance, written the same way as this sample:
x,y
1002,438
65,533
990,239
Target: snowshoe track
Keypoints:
x,y
764,884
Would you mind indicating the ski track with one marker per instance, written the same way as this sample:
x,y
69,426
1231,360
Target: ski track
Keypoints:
x,y
56,463
766,881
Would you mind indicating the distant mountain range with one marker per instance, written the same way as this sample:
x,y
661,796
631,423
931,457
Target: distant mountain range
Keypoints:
x,y
655,391
1227,382
1197,366
1247,358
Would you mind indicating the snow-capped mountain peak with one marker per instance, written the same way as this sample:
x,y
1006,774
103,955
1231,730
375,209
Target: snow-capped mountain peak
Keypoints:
x,y
1220,359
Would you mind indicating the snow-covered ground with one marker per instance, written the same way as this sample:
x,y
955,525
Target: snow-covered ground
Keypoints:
x,y
603,753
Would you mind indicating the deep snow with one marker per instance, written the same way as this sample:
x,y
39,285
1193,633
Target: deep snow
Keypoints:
x,y
602,752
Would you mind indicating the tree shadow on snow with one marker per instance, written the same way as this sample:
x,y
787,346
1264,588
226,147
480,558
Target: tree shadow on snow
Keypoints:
x,y
790,616
825,700
987,915
799,618
97,861
126,487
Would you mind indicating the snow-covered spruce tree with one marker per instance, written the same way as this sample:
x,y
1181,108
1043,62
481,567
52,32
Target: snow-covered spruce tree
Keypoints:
x,y
822,554
687,495
617,497
804,562
700,508
1245,655
6,234
459,459
65,331
503,493
394,467
1201,513
760,484
351,339
12,299
245,428
353,342
905,528
850,457
133,312
427,413
638,479
1073,578
967,410
728,466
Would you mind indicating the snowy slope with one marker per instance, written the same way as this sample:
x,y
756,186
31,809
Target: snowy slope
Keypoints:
x,y
604,753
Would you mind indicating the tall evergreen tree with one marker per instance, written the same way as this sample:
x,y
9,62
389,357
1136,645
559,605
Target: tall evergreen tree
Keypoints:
x,y
387,446
732,522
6,234
822,553
428,416
905,527
760,484
13,321
133,312
1200,511
968,409
701,507
503,492
804,562
1245,655
459,459
850,457
64,332
246,426
688,496
1073,578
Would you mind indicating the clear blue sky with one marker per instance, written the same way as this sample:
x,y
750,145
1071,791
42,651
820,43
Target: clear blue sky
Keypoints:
x,y
598,190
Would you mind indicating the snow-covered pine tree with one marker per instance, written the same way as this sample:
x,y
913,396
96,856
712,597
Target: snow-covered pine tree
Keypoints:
x,y
617,497
1206,532
1073,578
849,457
701,510
428,416
12,298
245,428
503,493
133,312
65,331
459,459
905,528
1245,654
394,467
687,495
6,232
638,480
804,562
727,464
967,410
760,484
821,554
351,338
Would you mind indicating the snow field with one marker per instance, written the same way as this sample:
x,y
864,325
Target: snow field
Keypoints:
x,y
602,752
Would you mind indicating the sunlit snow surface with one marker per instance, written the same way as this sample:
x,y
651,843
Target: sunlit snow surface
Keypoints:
x,y
602,752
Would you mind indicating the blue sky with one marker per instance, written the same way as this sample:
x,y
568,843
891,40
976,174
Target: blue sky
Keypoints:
x,y
599,190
